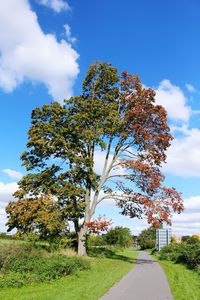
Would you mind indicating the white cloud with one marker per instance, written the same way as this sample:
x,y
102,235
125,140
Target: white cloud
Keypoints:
x,y
183,157
188,222
68,33
27,53
192,204
6,192
190,88
173,99
3,220
13,174
56,5
99,158
186,218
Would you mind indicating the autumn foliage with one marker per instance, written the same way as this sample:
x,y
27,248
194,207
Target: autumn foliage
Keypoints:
x,y
116,115
40,215
98,225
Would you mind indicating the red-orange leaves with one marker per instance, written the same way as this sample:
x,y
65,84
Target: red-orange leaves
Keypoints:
x,y
161,210
144,122
147,178
174,198
98,225
157,209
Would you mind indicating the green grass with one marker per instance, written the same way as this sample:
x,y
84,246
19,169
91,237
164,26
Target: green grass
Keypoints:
x,y
184,283
87,285
9,241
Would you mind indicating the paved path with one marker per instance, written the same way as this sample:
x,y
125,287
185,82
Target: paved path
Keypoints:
x,y
146,281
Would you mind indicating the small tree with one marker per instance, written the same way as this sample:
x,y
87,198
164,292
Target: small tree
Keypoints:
x,y
117,116
120,236
41,216
185,238
147,238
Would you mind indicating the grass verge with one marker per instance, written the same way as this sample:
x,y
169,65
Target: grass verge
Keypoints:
x,y
184,283
87,285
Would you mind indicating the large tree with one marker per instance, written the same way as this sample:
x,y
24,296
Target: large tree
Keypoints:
x,y
114,115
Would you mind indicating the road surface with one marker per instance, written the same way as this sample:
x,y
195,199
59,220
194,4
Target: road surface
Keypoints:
x,y
146,281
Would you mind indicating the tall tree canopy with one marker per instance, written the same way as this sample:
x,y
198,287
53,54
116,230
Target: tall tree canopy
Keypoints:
x,y
118,116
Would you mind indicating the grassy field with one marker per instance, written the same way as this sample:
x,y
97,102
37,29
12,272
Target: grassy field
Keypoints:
x,y
184,283
87,285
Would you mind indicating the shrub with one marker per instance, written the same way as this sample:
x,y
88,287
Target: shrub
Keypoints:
x,y
4,235
101,251
68,240
12,252
22,264
185,238
147,238
44,269
16,279
120,236
58,266
186,253
194,239
146,244
96,240
170,252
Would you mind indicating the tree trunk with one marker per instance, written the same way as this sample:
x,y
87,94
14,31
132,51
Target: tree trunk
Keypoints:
x,y
82,241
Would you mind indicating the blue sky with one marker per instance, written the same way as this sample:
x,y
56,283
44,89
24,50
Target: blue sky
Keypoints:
x,y
46,47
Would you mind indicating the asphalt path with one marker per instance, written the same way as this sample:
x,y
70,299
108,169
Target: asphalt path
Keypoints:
x,y
146,281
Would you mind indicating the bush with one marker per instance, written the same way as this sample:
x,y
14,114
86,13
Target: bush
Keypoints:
x,y
147,238
119,236
16,279
170,252
185,238
96,240
69,241
21,264
187,253
9,253
40,270
4,235
146,244
102,251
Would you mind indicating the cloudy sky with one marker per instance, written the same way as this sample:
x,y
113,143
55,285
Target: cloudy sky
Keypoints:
x,y
46,47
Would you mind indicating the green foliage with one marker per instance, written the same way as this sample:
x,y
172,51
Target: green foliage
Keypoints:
x,y
87,285
115,238
147,238
185,238
68,241
109,251
9,253
116,114
5,236
23,264
187,253
96,240
36,218
17,279
41,269
193,240
120,236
